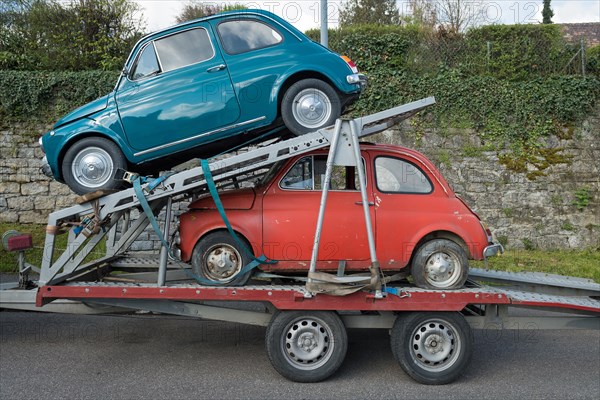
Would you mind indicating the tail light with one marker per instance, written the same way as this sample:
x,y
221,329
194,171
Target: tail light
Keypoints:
x,y
350,64
487,230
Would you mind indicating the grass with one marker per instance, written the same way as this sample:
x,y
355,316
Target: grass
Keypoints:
x,y
8,261
579,263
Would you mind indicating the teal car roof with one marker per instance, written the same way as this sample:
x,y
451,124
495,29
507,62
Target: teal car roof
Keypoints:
x,y
237,13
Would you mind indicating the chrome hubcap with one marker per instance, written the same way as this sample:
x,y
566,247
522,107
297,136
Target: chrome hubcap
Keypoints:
x,y
311,108
435,346
222,262
442,269
92,167
307,343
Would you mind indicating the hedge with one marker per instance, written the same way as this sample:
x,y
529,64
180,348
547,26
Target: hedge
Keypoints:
x,y
44,96
513,52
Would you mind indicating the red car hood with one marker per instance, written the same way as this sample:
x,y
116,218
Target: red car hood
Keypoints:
x,y
242,199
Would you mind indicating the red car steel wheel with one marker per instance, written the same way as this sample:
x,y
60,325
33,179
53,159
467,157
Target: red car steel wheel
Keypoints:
x,y
218,258
440,264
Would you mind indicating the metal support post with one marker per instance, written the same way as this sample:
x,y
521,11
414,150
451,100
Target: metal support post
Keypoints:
x,y
337,131
164,251
583,61
324,31
347,153
363,191
375,268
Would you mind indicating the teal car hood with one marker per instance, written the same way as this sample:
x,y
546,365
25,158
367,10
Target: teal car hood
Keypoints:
x,y
83,111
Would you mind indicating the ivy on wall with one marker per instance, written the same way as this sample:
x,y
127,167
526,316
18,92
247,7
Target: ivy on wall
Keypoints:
x,y
41,96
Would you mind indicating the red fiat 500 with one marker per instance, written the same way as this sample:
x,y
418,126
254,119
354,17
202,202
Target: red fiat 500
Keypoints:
x,y
418,221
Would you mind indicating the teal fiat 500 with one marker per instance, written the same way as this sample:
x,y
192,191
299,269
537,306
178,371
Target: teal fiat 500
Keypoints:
x,y
193,90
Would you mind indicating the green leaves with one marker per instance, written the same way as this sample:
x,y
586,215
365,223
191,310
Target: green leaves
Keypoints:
x,y
45,96
79,35
514,118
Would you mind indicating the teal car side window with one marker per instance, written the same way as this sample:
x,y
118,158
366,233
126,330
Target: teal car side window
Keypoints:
x,y
241,36
147,64
184,48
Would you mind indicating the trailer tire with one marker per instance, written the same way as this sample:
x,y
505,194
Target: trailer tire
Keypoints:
x,y
217,257
306,346
440,264
433,348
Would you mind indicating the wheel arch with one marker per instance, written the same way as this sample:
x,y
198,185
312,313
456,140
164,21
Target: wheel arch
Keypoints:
x,y
298,76
441,234
69,142
239,234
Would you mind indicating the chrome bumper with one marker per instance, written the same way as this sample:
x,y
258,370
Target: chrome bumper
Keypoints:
x,y
492,250
361,79
45,168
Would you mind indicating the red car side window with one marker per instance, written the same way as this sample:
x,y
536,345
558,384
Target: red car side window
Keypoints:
x,y
394,175
309,173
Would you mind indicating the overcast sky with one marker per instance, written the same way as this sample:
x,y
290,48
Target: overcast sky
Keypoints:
x,y
304,14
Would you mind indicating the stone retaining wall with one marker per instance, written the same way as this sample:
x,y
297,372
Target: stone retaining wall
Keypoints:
x,y
546,213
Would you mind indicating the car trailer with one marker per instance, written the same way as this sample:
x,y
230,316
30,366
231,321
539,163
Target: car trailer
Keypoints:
x,y
431,330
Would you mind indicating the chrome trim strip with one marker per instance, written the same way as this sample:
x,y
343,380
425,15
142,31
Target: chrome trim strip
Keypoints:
x,y
164,146
153,43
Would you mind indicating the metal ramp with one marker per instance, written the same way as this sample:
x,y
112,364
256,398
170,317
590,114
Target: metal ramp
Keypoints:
x,y
120,230
537,282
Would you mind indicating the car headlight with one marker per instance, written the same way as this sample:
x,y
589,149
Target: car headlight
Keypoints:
x,y
41,143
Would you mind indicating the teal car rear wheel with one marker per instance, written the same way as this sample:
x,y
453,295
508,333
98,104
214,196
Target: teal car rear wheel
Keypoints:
x,y
308,105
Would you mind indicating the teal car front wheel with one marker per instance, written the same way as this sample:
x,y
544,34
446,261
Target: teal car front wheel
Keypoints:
x,y
90,165
308,105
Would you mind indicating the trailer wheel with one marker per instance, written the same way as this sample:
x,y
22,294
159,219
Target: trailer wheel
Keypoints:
x,y
433,348
306,346
218,258
440,264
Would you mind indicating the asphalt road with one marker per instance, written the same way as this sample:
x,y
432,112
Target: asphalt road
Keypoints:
x,y
46,356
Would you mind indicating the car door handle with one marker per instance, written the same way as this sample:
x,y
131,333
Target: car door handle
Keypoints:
x,y
359,203
216,68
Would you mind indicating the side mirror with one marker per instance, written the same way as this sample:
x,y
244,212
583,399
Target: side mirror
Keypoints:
x,y
125,71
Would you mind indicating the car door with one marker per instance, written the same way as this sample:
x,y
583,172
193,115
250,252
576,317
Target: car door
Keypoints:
x,y
405,201
256,53
291,206
178,93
